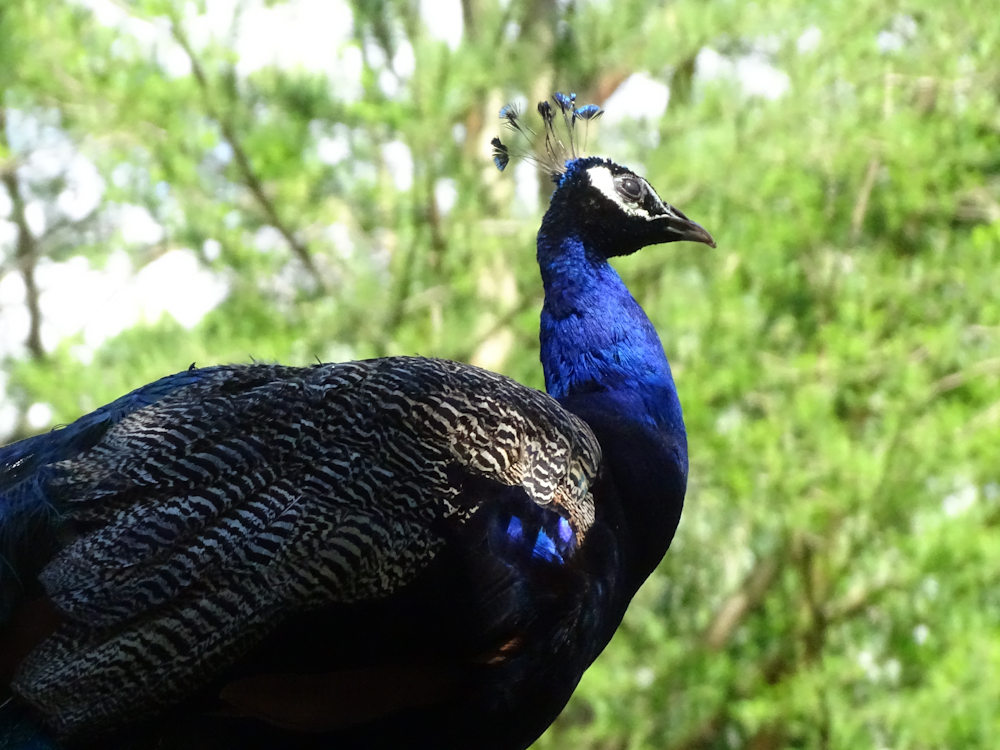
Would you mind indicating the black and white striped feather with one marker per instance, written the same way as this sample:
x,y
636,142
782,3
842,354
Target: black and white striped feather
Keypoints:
x,y
197,523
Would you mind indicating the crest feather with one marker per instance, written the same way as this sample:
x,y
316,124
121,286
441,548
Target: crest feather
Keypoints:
x,y
557,153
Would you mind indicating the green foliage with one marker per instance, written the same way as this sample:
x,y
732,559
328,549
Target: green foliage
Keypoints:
x,y
834,583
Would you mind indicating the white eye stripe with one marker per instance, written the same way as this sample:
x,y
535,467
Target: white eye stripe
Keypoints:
x,y
602,179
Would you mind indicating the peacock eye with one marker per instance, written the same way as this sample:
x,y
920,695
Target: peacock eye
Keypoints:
x,y
630,188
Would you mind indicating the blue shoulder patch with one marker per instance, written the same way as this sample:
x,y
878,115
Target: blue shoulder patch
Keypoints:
x,y
515,530
541,535
545,548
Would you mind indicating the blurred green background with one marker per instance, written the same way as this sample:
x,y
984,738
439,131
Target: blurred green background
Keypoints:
x,y
210,182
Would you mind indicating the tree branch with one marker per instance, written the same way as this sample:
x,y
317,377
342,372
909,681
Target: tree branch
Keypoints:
x,y
464,355
856,601
742,602
861,205
250,177
26,252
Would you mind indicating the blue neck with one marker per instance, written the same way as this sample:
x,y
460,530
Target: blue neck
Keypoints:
x,y
596,338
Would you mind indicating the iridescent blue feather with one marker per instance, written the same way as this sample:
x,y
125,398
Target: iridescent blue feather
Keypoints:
x,y
556,152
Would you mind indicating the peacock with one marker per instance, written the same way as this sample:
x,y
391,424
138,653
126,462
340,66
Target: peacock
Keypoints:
x,y
399,552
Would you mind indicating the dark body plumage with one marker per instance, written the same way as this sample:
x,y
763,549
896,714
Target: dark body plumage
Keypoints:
x,y
399,552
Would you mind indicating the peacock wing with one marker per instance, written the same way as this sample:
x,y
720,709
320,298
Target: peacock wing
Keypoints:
x,y
197,523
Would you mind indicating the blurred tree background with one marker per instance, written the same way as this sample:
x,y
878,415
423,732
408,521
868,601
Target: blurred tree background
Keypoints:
x,y
213,181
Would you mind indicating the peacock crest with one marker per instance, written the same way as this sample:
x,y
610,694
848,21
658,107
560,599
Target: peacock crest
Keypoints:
x,y
556,151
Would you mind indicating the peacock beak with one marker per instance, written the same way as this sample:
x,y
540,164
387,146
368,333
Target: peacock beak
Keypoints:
x,y
680,228
695,232
673,226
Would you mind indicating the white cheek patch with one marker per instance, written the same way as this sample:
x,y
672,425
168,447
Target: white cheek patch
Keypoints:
x,y
602,179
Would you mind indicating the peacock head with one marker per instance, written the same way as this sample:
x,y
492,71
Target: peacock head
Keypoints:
x,y
609,207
